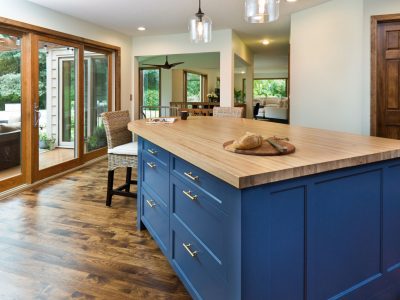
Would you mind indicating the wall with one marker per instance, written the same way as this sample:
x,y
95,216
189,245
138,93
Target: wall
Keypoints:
x,y
338,53
327,65
37,15
371,8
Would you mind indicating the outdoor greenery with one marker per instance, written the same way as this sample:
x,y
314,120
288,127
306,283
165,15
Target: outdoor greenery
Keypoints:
x,y
270,88
151,83
10,78
193,87
97,140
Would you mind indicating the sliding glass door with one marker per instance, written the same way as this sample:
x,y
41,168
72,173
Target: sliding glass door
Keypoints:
x,y
53,89
97,98
10,106
55,106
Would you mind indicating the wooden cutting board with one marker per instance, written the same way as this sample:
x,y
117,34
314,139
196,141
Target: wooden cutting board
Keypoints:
x,y
266,149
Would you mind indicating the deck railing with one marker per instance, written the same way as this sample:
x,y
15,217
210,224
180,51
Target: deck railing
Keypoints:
x,y
158,111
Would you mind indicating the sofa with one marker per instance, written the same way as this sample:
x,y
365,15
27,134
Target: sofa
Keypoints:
x,y
10,145
273,108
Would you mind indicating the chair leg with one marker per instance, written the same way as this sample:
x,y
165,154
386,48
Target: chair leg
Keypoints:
x,y
110,185
128,179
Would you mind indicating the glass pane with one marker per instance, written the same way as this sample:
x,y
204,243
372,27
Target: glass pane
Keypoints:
x,y
10,106
96,99
57,104
269,88
193,88
151,92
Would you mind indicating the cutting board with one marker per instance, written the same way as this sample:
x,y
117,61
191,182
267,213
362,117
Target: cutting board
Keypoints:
x,y
266,149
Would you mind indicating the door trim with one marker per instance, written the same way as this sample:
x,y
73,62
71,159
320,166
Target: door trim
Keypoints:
x,y
375,21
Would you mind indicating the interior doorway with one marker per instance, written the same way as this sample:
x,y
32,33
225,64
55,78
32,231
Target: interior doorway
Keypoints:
x,y
385,97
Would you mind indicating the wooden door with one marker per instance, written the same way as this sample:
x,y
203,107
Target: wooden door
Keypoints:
x,y
388,80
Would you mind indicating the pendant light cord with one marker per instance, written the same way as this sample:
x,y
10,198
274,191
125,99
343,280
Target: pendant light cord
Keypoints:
x,y
200,14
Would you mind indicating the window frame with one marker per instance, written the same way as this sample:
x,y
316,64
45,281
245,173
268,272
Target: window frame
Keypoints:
x,y
203,85
141,69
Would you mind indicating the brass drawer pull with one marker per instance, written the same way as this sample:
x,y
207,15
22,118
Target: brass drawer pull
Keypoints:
x,y
190,196
151,151
187,248
151,203
151,165
190,175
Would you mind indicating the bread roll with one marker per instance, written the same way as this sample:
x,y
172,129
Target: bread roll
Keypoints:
x,y
248,141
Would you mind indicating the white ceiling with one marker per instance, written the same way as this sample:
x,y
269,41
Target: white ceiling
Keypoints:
x,y
171,16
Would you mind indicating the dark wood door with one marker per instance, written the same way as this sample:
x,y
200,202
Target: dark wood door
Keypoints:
x,y
388,88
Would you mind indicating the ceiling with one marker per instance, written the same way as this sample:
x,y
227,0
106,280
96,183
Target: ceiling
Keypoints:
x,y
168,17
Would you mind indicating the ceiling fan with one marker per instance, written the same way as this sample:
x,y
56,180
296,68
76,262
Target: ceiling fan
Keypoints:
x,y
166,65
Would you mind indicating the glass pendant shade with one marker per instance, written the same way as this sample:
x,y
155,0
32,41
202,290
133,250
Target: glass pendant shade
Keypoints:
x,y
200,27
261,11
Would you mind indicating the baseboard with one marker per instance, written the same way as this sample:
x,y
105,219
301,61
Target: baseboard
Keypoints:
x,y
24,187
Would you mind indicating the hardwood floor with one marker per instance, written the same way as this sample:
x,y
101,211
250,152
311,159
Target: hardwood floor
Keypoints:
x,y
60,241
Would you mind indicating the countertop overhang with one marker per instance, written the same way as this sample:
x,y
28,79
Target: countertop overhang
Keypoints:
x,y
199,140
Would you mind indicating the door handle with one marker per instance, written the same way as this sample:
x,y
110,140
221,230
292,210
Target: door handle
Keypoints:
x,y
36,115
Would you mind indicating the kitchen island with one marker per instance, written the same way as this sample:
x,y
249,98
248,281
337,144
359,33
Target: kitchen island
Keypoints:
x,y
321,223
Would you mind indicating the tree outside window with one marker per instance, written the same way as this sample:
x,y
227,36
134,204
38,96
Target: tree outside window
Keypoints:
x,y
270,88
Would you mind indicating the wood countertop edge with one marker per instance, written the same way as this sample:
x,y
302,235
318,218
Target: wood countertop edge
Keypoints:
x,y
313,169
247,181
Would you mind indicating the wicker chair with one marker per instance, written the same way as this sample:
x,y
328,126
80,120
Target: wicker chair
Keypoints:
x,y
228,112
122,152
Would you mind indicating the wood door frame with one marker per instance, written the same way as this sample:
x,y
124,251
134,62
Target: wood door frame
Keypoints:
x,y
375,21
28,33
37,173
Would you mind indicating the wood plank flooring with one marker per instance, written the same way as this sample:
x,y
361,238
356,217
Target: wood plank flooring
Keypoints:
x,y
60,241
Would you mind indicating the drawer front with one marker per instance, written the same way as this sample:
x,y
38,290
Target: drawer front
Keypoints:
x,y
156,219
217,189
196,210
155,177
156,153
198,269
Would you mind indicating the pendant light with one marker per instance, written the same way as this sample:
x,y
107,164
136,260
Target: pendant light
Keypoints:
x,y
200,27
261,11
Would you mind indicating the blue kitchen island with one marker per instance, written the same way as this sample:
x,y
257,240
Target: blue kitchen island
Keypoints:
x,y
322,223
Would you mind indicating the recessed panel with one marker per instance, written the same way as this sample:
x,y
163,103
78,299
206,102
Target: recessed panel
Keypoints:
x,y
344,235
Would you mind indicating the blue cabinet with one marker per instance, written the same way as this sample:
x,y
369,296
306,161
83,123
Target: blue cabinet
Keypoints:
x,y
334,235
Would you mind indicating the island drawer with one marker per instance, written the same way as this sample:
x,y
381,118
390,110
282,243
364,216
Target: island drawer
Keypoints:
x,y
155,177
201,214
155,217
202,273
157,153
220,191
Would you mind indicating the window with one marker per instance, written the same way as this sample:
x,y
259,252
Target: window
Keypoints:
x,y
150,91
270,88
195,86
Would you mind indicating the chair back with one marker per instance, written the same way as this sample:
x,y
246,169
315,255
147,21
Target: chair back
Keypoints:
x,y
228,112
116,126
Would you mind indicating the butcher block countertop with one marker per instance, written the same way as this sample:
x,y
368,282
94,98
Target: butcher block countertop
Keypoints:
x,y
199,140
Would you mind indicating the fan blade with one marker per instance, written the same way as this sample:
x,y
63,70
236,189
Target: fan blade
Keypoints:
x,y
175,64
157,66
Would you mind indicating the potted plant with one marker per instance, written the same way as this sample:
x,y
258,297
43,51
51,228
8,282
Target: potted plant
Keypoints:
x,y
43,140
51,143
